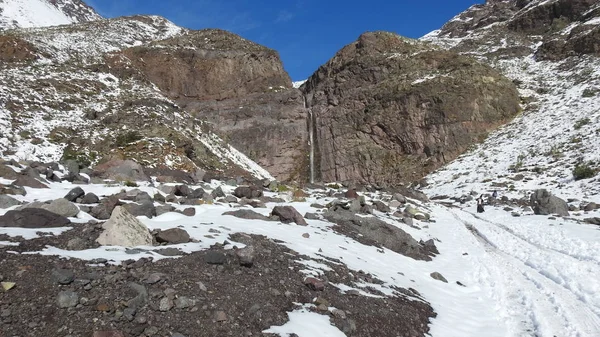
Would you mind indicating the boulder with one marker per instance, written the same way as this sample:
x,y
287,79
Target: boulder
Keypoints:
x,y
544,203
247,214
28,181
8,173
182,191
173,236
33,218
385,234
120,170
12,189
381,206
145,208
249,192
74,194
104,210
288,214
8,201
62,207
89,198
218,193
123,229
197,193
162,209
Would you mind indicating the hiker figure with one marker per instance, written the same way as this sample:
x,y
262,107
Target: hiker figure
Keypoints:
x,y
480,204
495,194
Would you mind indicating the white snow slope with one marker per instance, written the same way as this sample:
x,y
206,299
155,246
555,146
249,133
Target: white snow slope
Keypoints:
x,y
38,13
526,276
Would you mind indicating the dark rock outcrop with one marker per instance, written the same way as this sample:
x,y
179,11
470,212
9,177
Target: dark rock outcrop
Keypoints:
x,y
388,109
380,232
288,214
33,218
237,85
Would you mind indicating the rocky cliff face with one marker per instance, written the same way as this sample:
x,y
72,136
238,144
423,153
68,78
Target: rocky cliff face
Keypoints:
x,y
68,92
388,109
238,86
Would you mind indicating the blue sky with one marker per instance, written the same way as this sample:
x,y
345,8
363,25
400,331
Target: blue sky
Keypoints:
x,y
306,33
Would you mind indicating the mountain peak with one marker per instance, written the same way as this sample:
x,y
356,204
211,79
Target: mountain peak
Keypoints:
x,y
42,13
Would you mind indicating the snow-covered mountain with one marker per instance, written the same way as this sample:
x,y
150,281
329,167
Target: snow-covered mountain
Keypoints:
x,y
42,13
547,49
340,264
68,91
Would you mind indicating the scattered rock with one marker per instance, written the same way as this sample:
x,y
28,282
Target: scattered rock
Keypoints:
x,y
89,198
62,207
63,276
120,170
104,210
372,228
247,214
123,229
249,192
314,284
162,209
7,201
289,214
6,286
33,218
113,333
189,211
29,182
145,208
67,299
173,236
592,221
438,276
74,194
214,257
166,304
220,316
183,302
245,256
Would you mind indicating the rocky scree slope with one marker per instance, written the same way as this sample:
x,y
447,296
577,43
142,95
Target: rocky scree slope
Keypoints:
x,y
550,49
239,87
206,267
40,13
387,109
70,93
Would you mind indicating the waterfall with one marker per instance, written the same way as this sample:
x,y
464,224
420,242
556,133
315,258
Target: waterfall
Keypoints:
x,y
311,141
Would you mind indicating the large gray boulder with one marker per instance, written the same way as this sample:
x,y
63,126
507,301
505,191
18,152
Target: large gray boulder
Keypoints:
x,y
8,201
123,229
379,231
544,203
62,207
33,218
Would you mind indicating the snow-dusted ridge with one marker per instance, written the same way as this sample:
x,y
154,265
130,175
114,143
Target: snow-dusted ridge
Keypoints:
x,y
43,13
557,130
69,80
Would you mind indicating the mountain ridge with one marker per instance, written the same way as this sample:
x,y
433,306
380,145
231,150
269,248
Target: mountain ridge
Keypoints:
x,y
41,13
